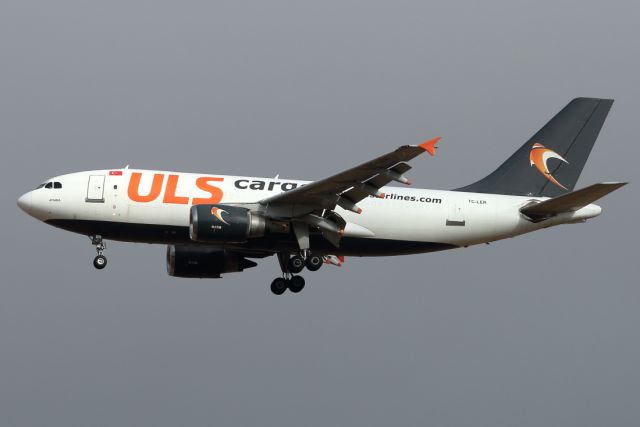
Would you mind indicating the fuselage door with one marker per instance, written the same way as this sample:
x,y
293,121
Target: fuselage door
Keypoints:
x,y
95,189
456,215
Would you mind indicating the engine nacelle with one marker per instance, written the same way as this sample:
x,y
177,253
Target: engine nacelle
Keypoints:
x,y
203,262
224,224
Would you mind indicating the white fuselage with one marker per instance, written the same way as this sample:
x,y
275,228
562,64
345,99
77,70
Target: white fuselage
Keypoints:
x,y
118,204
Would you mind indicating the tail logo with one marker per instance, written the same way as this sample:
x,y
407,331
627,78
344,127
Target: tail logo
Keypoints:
x,y
538,157
217,212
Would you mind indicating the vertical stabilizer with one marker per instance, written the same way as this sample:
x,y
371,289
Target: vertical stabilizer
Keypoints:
x,y
550,163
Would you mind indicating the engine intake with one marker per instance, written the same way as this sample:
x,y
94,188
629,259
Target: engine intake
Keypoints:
x,y
224,224
203,262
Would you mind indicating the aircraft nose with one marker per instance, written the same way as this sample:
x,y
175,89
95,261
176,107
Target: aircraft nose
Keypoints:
x,y
24,202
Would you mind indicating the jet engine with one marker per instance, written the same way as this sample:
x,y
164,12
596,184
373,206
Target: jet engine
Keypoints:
x,y
203,262
224,224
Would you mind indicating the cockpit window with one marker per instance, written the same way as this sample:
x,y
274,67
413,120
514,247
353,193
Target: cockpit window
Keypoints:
x,y
50,185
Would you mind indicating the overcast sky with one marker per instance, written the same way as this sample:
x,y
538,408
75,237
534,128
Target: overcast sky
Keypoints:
x,y
538,330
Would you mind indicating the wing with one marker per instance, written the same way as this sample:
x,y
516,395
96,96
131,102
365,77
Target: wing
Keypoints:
x,y
347,188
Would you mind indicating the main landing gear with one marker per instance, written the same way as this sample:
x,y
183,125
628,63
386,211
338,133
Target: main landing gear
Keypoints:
x,y
100,261
297,263
294,283
291,266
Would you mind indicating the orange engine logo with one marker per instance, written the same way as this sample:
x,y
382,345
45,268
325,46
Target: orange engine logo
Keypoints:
x,y
217,212
538,157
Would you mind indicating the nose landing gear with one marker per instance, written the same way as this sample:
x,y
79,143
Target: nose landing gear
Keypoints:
x,y
100,261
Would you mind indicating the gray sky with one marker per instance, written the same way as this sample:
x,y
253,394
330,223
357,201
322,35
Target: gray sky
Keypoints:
x,y
538,330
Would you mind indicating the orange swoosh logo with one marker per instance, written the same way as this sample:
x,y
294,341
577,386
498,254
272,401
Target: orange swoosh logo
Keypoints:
x,y
217,212
538,157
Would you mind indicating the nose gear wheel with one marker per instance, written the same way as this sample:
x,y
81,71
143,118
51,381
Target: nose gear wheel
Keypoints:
x,y
100,261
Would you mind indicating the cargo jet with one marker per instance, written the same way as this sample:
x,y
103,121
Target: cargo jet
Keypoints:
x,y
215,224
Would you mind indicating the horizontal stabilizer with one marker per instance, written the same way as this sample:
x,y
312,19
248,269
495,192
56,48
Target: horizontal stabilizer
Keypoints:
x,y
570,202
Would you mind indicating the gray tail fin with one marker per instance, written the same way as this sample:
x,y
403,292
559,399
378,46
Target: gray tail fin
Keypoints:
x,y
550,163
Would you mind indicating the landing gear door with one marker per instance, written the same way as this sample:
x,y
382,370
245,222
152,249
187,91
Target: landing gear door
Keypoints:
x,y
95,189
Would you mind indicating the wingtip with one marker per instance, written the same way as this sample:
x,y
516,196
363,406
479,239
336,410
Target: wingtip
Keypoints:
x,y
430,146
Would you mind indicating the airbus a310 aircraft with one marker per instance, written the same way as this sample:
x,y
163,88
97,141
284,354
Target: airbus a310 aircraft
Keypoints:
x,y
215,224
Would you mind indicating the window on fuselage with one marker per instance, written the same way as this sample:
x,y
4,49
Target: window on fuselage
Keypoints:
x,y
57,185
49,185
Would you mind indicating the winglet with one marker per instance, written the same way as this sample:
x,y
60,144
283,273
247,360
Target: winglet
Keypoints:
x,y
430,146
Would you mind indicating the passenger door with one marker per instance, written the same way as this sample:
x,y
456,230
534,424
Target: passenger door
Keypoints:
x,y
95,189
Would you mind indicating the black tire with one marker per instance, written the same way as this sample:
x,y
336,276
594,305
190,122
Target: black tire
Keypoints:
x,y
313,262
100,262
278,286
296,284
296,264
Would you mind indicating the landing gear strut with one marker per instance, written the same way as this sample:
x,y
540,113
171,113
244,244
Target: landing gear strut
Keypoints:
x,y
100,261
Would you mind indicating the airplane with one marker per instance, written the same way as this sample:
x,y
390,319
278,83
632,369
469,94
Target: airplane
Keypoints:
x,y
216,224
